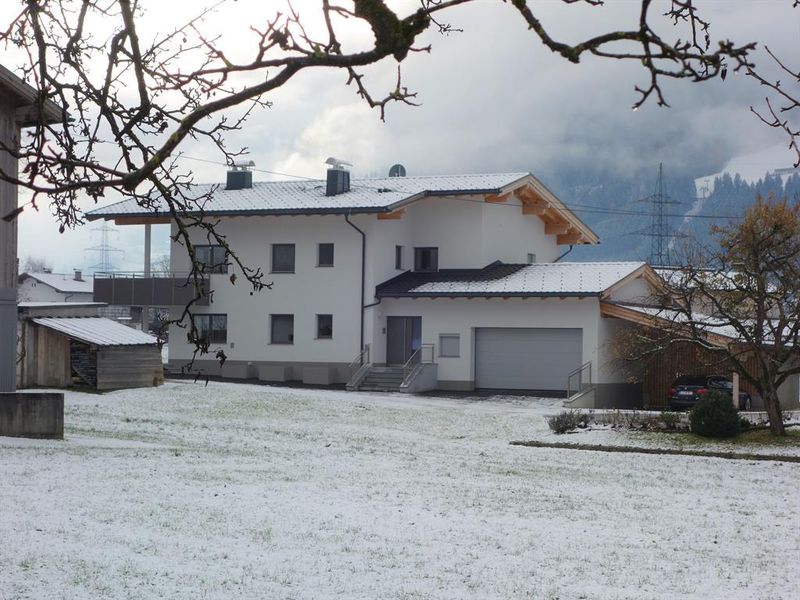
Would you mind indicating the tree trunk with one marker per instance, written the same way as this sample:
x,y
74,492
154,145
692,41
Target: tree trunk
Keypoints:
x,y
773,407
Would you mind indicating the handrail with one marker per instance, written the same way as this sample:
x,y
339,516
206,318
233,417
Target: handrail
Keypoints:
x,y
417,358
358,367
579,371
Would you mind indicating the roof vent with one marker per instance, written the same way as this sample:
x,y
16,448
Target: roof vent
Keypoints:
x,y
240,177
338,176
397,170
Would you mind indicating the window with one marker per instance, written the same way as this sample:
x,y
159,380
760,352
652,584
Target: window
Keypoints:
x,y
426,259
212,329
398,257
324,255
213,258
283,258
531,258
281,329
324,327
450,345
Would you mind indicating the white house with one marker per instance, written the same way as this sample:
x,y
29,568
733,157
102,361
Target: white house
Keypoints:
x,y
54,287
461,273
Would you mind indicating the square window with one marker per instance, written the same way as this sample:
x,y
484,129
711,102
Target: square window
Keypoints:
x,y
283,258
398,257
212,329
324,327
531,258
426,259
212,258
324,255
281,329
450,345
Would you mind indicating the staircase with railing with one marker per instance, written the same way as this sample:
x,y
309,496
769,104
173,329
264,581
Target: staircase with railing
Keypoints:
x,y
418,374
580,388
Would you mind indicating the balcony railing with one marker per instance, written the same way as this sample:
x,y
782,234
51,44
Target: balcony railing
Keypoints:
x,y
155,289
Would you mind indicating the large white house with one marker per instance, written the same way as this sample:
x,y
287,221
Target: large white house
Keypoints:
x,y
464,274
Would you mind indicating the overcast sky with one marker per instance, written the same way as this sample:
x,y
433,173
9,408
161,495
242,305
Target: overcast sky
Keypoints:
x,y
493,99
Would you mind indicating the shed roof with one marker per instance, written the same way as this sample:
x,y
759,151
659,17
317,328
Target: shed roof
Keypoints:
x,y
511,280
23,97
97,330
62,283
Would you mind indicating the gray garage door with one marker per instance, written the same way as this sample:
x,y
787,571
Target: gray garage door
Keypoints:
x,y
526,359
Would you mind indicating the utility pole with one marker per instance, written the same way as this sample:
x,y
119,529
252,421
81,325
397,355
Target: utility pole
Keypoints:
x,y
660,232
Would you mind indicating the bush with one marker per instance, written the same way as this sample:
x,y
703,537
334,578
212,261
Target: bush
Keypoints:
x,y
670,420
715,416
568,420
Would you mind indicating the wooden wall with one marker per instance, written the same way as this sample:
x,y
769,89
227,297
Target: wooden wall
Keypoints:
x,y
45,358
128,367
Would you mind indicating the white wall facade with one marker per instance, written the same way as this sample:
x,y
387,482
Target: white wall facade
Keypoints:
x,y
31,290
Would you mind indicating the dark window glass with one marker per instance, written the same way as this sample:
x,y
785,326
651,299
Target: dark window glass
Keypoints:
x,y
426,259
324,326
213,258
212,329
325,255
282,329
283,258
398,257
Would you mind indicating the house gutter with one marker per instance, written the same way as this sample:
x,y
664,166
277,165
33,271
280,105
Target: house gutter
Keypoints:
x,y
363,275
571,246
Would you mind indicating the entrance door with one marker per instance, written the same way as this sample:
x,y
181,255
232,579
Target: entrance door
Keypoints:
x,y
403,338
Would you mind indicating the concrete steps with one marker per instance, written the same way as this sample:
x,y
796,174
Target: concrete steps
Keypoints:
x,y
382,379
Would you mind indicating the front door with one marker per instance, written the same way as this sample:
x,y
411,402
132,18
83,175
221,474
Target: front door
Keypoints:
x,y
403,338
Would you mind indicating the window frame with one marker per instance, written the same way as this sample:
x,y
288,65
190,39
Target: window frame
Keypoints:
x,y
457,337
272,258
418,251
324,337
213,267
319,254
398,257
272,340
204,324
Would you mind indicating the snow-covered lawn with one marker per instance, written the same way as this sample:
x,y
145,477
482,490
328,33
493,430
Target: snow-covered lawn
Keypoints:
x,y
239,491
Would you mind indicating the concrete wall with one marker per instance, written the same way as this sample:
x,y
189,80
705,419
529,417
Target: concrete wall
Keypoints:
x,y
32,414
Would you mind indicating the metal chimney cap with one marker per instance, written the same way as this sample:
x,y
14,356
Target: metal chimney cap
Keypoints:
x,y
337,163
243,165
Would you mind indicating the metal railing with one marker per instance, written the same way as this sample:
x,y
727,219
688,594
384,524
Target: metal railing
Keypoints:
x,y
425,354
135,288
579,379
358,367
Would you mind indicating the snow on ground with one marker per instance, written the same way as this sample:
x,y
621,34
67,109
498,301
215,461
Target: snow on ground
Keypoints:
x,y
239,491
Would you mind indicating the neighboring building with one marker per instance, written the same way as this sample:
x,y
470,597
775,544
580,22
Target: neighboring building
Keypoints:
x,y
54,287
63,344
481,296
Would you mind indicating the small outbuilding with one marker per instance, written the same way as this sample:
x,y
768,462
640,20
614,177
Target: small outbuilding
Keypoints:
x,y
91,351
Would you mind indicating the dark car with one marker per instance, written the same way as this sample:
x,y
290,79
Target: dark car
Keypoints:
x,y
687,390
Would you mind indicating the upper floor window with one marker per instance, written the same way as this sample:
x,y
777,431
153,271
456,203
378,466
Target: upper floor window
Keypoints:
x,y
324,255
426,259
212,329
398,257
212,258
324,327
281,329
283,258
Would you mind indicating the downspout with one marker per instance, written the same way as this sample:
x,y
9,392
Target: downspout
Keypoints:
x,y
363,275
565,253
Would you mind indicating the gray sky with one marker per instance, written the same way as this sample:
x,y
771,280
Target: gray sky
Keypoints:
x,y
493,99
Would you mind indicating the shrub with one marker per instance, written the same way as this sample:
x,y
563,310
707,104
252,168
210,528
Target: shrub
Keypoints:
x,y
568,420
715,416
670,420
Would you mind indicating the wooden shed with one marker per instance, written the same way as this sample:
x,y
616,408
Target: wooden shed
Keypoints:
x,y
89,351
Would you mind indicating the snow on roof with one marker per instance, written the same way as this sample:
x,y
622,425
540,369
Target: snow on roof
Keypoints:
x,y
96,330
308,196
59,304
706,323
62,282
499,279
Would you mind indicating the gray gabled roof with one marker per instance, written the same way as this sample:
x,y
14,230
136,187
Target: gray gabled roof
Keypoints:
x,y
308,196
511,280
62,283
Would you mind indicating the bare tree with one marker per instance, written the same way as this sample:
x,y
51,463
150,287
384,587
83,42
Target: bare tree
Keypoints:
x,y
128,106
37,264
737,301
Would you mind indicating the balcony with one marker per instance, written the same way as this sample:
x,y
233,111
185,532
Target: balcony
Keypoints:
x,y
155,289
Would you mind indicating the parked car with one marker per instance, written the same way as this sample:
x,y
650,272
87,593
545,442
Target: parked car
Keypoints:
x,y
686,390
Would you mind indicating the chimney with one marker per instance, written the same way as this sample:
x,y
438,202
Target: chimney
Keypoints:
x,y
78,275
338,177
240,177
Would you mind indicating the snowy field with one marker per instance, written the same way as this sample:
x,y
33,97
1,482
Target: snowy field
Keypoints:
x,y
239,491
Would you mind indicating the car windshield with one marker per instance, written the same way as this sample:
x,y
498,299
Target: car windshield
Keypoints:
x,y
690,380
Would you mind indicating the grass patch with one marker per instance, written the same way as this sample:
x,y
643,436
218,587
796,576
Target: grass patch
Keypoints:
x,y
760,438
